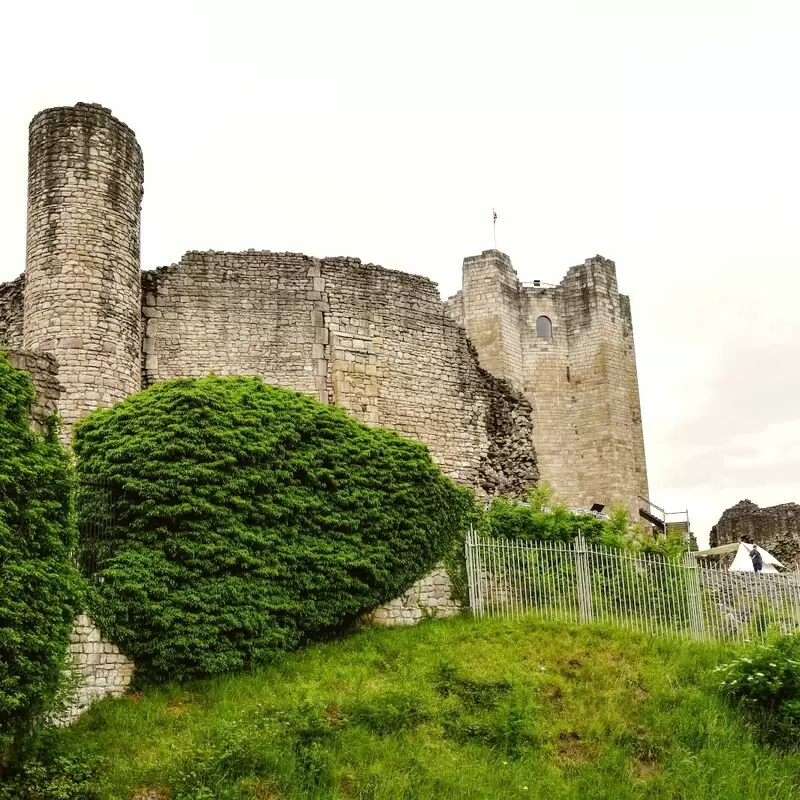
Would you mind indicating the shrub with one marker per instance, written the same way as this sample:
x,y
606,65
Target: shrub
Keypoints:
x,y
40,589
529,520
511,520
539,518
51,772
249,518
765,682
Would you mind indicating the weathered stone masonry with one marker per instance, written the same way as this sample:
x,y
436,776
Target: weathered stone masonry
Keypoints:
x,y
43,371
99,665
11,312
430,597
377,342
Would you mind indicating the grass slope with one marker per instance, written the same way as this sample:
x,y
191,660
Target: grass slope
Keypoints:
x,y
451,709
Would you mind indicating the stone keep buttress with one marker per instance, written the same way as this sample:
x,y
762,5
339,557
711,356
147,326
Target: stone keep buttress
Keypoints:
x,y
504,382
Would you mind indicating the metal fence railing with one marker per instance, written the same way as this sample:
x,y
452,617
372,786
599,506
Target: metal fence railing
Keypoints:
x,y
583,582
95,502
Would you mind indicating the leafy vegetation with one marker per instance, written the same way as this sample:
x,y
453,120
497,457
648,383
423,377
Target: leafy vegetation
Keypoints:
x,y
765,682
539,517
40,590
449,709
50,771
248,519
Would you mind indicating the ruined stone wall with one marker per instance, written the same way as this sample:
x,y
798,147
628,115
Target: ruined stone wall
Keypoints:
x,y
509,423
430,597
454,307
776,528
43,371
374,341
82,297
745,601
581,381
397,360
252,313
100,668
377,342
12,297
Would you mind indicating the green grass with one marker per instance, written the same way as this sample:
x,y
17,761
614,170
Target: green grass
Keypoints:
x,y
450,709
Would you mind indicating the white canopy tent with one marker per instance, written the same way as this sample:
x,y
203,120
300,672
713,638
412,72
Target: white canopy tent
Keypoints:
x,y
742,561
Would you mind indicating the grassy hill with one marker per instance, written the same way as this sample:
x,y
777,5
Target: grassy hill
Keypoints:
x,y
451,709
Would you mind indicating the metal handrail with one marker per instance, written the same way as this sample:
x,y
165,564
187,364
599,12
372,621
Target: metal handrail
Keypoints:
x,y
648,505
538,285
683,515
666,517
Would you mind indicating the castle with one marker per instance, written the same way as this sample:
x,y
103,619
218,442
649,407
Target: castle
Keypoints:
x,y
505,382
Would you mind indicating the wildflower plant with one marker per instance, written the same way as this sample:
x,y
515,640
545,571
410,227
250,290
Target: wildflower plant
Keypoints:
x,y
765,681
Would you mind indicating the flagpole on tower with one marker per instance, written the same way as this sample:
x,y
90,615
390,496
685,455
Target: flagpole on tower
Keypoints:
x,y
494,228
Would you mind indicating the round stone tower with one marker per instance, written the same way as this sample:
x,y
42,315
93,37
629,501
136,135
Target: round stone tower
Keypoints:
x,y
82,271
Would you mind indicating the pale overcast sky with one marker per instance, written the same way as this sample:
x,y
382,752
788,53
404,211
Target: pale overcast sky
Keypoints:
x,y
663,135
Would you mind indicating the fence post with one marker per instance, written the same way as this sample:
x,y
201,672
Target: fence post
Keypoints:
x,y
472,558
694,599
584,580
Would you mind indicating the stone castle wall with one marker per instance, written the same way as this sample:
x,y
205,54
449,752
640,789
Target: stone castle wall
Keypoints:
x,y
373,341
101,669
377,342
430,597
232,314
742,598
43,371
777,529
82,296
12,298
491,314
581,381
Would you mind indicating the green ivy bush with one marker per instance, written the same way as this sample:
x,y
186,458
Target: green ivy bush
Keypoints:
x,y
40,591
765,682
248,518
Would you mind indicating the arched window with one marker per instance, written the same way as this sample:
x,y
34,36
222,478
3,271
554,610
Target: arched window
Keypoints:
x,y
544,328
